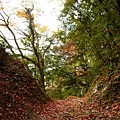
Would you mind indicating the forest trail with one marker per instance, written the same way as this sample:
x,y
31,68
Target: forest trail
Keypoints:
x,y
74,109
22,99
68,109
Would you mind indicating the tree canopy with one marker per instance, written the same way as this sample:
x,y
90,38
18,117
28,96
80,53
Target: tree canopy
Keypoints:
x,y
86,45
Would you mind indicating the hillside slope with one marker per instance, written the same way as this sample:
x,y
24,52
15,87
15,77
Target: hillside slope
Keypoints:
x,y
19,92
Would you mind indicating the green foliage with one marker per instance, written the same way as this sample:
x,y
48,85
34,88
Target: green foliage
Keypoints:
x,y
93,27
88,45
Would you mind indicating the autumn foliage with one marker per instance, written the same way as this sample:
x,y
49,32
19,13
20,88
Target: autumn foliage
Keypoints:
x,y
22,99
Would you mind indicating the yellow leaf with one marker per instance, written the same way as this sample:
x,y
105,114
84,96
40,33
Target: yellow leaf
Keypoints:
x,y
43,29
1,8
37,25
22,14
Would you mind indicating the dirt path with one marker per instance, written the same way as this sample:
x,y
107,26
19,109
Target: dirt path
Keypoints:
x,y
67,109
74,109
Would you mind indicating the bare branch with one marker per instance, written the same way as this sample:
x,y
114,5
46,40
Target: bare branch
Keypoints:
x,y
4,38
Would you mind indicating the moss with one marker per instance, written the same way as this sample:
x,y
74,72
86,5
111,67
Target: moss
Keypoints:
x,y
112,91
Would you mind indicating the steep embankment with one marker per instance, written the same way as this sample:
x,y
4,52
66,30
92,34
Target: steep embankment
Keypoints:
x,y
19,92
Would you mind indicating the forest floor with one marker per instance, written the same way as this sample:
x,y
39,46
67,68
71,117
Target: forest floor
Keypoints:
x,y
73,109
20,99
